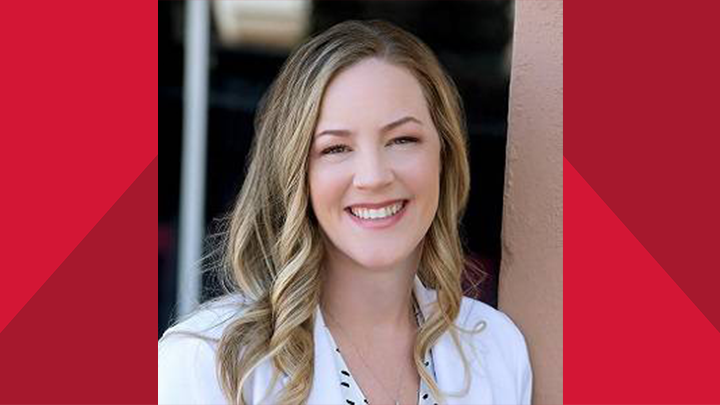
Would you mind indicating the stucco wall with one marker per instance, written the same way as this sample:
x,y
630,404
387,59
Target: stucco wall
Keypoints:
x,y
531,277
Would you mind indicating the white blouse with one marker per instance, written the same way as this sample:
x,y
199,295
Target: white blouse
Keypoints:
x,y
498,369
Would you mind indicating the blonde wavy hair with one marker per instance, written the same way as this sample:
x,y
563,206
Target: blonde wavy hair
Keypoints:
x,y
274,248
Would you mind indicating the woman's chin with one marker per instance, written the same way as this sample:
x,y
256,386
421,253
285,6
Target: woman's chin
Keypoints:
x,y
380,261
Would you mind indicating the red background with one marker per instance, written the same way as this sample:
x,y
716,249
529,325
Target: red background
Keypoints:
x,y
641,307
78,163
78,213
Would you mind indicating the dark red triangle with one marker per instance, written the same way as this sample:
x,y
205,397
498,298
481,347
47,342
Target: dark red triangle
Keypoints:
x,y
88,334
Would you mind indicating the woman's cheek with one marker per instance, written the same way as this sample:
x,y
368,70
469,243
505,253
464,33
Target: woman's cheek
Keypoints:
x,y
326,183
419,160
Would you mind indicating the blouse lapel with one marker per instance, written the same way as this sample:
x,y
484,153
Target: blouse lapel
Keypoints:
x,y
326,383
448,362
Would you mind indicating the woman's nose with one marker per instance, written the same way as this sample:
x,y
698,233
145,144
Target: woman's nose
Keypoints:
x,y
372,171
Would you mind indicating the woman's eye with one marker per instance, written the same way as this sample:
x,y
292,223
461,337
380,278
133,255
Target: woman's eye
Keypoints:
x,y
334,149
404,139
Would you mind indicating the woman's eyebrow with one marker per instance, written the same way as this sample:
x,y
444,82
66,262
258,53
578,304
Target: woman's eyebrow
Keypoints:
x,y
336,132
386,128
399,122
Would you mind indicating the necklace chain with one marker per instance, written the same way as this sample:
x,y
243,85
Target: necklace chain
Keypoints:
x,y
366,365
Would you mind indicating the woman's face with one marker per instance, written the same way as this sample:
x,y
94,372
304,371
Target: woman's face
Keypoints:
x,y
374,166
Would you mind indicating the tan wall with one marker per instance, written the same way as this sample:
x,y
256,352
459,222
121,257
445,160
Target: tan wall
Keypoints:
x,y
531,277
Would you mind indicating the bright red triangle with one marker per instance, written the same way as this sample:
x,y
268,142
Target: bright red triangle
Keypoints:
x,y
88,335
631,335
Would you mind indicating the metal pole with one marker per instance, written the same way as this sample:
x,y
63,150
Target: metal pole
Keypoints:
x,y
192,187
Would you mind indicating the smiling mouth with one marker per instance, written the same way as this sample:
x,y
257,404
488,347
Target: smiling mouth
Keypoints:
x,y
377,214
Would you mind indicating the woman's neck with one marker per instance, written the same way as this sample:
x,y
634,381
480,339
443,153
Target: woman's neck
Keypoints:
x,y
369,299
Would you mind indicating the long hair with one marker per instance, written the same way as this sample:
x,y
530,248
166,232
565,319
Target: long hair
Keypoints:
x,y
274,247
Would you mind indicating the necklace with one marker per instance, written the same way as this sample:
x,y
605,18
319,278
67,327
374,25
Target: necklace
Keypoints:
x,y
365,364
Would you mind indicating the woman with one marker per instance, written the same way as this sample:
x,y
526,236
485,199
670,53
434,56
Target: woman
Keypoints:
x,y
343,255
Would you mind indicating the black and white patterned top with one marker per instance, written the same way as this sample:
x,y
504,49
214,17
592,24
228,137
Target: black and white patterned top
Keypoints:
x,y
353,393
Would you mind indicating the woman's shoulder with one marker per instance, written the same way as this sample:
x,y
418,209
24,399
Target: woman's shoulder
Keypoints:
x,y
187,351
494,330
498,329
476,314
501,341
209,319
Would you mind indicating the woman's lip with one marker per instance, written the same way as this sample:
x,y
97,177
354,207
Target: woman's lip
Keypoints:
x,y
379,223
375,206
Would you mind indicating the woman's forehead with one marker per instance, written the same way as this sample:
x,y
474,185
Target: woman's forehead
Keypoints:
x,y
372,92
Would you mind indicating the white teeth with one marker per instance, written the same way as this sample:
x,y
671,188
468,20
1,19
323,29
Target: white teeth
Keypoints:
x,y
384,212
